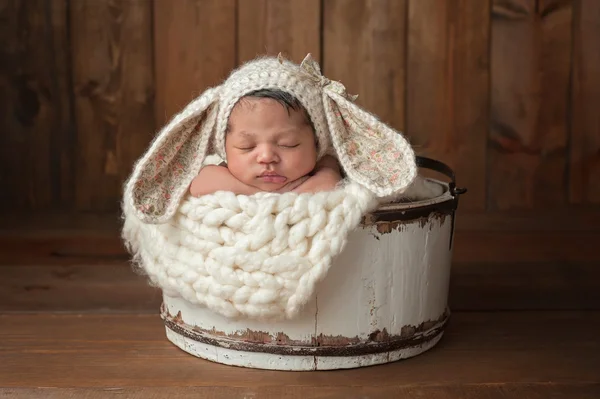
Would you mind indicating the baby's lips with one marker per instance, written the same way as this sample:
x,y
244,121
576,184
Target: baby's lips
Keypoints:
x,y
271,178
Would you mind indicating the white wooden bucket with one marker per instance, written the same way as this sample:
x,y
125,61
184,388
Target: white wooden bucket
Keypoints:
x,y
384,298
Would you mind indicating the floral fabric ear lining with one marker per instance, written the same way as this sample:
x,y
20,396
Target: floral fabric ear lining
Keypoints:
x,y
373,154
162,176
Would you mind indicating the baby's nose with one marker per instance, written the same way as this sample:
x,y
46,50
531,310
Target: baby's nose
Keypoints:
x,y
267,155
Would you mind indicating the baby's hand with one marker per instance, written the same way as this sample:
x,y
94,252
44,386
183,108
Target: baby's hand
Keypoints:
x,y
291,186
326,177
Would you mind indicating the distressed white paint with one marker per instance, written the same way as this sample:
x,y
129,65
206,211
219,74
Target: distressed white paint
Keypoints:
x,y
270,361
387,281
380,281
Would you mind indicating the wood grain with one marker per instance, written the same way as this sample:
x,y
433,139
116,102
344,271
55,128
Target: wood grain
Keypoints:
x,y
51,223
584,163
517,349
111,286
194,48
114,90
441,391
441,74
36,145
552,285
526,246
61,248
529,127
448,88
271,26
581,219
373,64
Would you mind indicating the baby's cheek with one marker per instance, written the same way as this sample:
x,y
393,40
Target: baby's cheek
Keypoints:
x,y
237,166
305,161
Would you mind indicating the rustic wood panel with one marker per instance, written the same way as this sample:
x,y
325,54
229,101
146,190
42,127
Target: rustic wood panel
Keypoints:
x,y
113,91
84,287
194,48
531,47
526,246
36,143
53,223
271,26
364,48
585,103
430,80
61,240
448,88
61,250
584,219
441,391
551,285
128,351
514,97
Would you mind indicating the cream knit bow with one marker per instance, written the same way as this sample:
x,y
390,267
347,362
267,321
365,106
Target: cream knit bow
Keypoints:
x,y
310,66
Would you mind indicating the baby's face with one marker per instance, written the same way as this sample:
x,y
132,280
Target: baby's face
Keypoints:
x,y
267,146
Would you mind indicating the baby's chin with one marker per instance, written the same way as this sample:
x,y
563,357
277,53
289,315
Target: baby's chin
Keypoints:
x,y
266,187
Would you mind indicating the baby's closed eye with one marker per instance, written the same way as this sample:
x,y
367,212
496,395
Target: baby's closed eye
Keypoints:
x,y
245,147
249,147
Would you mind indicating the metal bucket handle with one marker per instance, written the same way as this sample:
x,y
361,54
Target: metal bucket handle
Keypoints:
x,y
441,167
437,166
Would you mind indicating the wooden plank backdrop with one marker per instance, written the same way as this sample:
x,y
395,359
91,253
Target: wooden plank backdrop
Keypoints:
x,y
507,92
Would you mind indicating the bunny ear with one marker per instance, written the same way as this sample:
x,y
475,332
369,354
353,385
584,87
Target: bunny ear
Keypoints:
x,y
371,153
162,176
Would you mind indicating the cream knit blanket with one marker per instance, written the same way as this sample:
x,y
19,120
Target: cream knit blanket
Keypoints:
x,y
257,256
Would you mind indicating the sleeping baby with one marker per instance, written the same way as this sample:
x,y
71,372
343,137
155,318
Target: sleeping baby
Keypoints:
x,y
279,127
270,145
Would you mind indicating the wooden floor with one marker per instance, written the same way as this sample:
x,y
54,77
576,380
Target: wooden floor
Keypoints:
x,y
482,355
77,322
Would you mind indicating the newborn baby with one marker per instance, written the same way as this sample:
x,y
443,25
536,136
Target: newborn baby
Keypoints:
x,y
272,141
270,145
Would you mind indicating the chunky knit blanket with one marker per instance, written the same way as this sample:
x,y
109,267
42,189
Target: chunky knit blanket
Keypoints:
x,y
257,256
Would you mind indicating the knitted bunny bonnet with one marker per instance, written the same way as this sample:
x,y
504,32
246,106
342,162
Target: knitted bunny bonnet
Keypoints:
x,y
371,153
